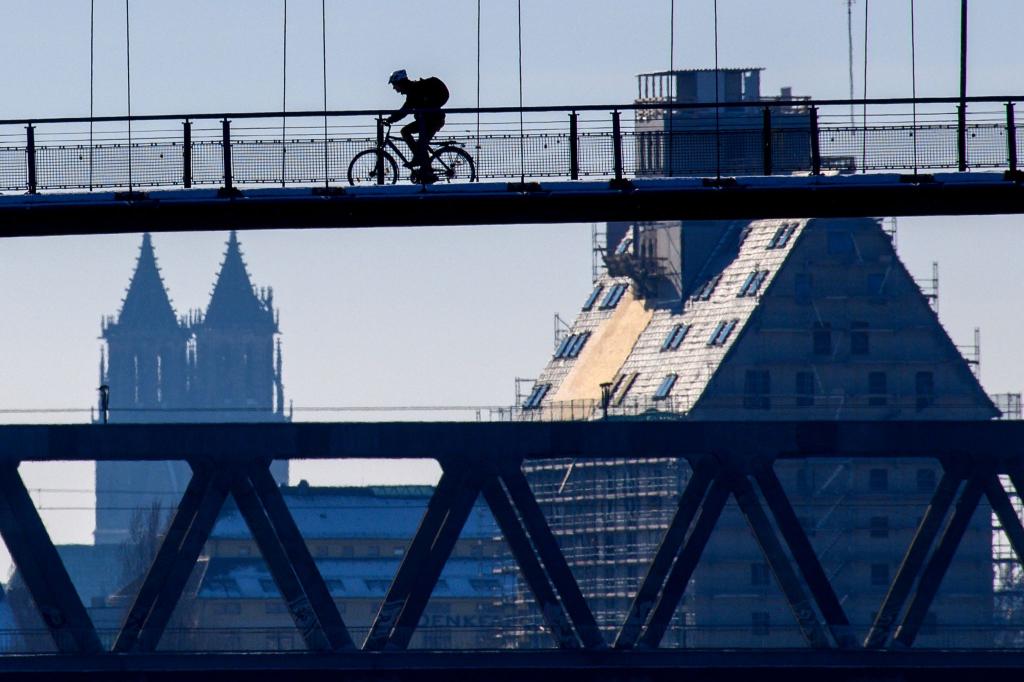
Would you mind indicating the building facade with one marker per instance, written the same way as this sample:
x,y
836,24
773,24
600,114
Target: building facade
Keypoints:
x,y
751,320
358,537
223,365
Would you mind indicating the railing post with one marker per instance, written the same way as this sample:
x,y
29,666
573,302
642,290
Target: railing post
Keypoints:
x,y
766,140
30,153
1011,138
815,143
380,146
226,142
961,136
186,154
617,143
574,147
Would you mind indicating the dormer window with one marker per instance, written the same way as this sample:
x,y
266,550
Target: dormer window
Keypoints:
x,y
592,298
675,337
613,296
752,284
720,334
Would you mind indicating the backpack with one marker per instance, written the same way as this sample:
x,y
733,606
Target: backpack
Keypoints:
x,y
436,92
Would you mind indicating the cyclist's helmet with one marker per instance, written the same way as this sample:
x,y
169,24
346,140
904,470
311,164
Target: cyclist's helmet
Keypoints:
x,y
398,76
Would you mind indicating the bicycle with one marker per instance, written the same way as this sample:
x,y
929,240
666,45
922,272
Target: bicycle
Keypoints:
x,y
449,160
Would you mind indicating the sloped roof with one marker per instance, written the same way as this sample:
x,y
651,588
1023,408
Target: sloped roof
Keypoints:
x,y
146,305
373,512
95,570
234,302
780,341
249,578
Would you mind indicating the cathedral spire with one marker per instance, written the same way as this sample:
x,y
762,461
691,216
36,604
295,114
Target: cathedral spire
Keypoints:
x,y
146,306
234,302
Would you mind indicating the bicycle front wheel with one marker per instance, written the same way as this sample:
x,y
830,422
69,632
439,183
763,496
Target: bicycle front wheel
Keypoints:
x,y
363,169
453,163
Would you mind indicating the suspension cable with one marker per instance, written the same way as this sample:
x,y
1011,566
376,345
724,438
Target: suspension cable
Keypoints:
x,y
913,80
323,40
671,87
92,78
284,86
718,124
478,8
128,53
864,105
849,43
522,142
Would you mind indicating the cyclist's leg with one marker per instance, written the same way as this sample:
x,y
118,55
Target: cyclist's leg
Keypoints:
x,y
408,133
431,124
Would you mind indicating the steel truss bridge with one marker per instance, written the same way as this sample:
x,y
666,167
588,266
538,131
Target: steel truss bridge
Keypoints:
x,y
729,460
772,158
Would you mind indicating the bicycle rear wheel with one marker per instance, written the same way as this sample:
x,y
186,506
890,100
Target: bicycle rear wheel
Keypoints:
x,y
363,169
453,163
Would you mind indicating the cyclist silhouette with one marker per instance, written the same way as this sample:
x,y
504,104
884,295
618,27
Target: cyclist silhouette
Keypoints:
x,y
426,93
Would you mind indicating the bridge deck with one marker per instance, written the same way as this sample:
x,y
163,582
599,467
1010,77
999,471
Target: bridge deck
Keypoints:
x,y
510,203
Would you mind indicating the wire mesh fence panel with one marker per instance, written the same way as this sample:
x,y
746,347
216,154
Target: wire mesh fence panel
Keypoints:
x,y
156,164
986,146
13,169
207,163
1020,144
597,154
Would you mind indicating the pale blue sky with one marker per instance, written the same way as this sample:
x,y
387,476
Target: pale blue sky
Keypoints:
x,y
440,315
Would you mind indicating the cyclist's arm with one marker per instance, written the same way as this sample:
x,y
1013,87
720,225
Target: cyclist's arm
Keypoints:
x,y
400,114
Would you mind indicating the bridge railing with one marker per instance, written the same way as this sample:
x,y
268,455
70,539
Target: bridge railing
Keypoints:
x,y
643,139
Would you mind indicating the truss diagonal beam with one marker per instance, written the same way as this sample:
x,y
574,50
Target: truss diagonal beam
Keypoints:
x,y
40,566
297,552
301,611
156,576
171,580
551,556
805,557
750,506
1007,515
912,562
939,562
426,578
646,597
533,573
415,555
686,562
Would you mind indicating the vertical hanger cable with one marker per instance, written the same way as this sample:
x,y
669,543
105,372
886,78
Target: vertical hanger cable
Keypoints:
x,y
718,122
284,85
323,39
864,105
92,63
913,79
128,54
522,142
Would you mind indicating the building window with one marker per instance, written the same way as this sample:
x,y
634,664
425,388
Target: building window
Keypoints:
x,y
274,607
666,386
675,337
757,387
925,480
571,345
613,296
592,299
924,387
626,382
752,284
880,575
877,389
860,342
759,574
760,623
334,585
802,284
822,338
878,480
805,389
268,586
782,236
536,396
720,334
879,527
704,293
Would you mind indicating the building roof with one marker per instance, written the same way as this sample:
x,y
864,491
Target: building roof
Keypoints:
x,y
386,512
234,302
249,578
858,282
146,306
